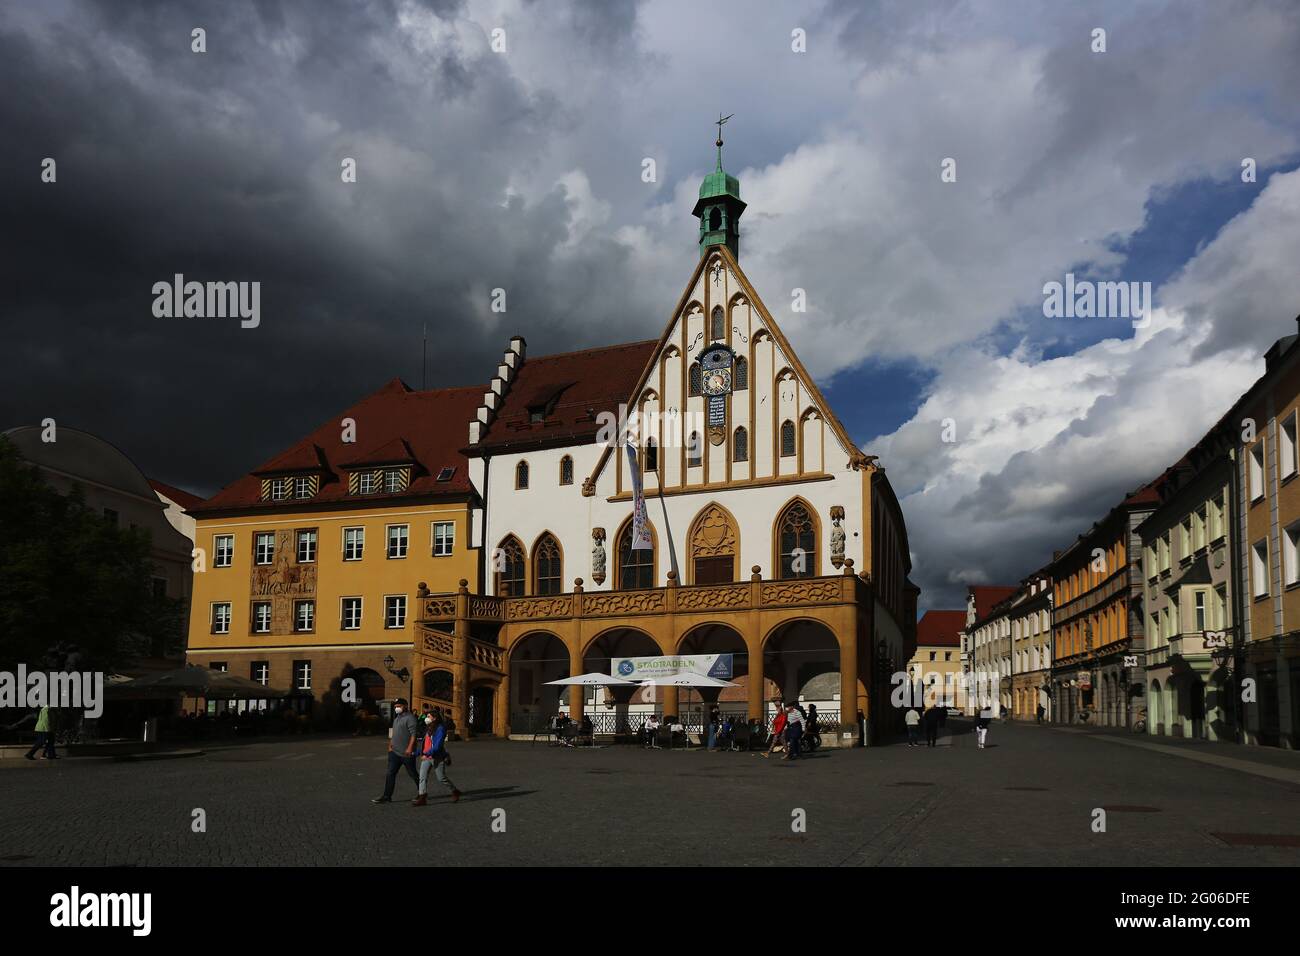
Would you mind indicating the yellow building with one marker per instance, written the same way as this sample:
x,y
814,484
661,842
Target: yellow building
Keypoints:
x,y
936,665
312,562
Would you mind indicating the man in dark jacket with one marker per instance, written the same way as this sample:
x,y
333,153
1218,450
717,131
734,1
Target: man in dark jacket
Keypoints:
x,y
401,749
931,722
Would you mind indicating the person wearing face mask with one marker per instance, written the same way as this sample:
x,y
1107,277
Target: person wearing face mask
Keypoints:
x,y
401,750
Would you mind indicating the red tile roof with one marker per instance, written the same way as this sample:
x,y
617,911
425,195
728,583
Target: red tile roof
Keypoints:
x,y
574,388
432,424
182,498
988,596
940,628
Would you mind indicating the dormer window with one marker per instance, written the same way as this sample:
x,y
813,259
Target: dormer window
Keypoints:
x,y
537,414
366,483
446,473
279,489
304,486
393,480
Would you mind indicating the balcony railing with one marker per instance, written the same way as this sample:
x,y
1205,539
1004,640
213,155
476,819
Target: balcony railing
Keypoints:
x,y
673,598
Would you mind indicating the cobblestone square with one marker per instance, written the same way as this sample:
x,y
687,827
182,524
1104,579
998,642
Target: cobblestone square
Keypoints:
x,y
1028,799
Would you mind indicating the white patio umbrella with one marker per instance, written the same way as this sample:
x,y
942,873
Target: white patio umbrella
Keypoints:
x,y
592,680
688,680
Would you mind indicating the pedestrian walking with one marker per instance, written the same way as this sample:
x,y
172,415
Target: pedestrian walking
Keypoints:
x,y
931,721
912,719
982,725
401,749
713,729
434,756
1041,710
793,732
44,737
778,730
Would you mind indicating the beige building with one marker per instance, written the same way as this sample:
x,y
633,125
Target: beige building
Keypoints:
x,y
936,665
1030,663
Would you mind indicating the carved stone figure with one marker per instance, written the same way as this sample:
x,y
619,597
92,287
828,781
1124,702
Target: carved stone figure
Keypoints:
x,y
837,535
598,555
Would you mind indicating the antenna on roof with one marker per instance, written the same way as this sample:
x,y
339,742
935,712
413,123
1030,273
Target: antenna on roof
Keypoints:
x,y
424,358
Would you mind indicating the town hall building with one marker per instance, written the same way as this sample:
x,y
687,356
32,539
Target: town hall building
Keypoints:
x,y
773,537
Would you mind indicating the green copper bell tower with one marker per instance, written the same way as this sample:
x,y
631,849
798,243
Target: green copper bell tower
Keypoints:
x,y
719,206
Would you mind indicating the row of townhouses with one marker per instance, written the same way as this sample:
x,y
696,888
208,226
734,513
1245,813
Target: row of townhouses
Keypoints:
x,y
1178,612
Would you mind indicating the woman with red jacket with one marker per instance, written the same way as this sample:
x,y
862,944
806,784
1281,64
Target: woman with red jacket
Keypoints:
x,y
778,730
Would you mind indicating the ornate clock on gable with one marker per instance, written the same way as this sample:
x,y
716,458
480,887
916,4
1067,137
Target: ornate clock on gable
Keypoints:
x,y
717,364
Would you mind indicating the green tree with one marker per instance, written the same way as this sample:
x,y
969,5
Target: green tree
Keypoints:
x,y
75,589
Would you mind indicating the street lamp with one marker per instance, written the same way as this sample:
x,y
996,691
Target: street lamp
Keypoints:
x,y
403,675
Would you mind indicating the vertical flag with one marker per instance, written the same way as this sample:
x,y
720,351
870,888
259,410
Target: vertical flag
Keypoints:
x,y
640,523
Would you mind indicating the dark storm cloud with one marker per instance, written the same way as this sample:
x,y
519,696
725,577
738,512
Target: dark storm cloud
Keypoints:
x,y
226,166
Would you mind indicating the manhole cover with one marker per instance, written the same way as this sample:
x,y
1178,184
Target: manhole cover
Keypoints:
x,y
1129,808
912,783
1258,839
1034,789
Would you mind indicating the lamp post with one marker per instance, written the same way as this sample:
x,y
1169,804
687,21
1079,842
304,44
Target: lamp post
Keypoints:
x,y
403,675
883,668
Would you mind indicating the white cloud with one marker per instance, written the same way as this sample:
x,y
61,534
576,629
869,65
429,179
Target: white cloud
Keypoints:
x,y
1047,446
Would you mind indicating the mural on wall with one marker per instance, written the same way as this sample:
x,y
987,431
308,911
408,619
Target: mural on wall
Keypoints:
x,y
282,582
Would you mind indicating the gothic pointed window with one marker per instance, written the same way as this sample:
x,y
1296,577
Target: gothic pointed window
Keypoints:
x,y
787,439
741,446
636,569
566,470
547,566
715,219
697,379
740,377
797,541
718,325
521,475
509,561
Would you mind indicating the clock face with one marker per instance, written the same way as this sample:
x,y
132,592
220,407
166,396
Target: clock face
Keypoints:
x,y
717,381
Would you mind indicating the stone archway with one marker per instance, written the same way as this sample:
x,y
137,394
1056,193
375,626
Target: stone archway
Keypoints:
x,y
795,655
534,660
618,711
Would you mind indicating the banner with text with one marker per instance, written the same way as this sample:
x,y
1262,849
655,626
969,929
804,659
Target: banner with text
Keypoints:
x,y
648,668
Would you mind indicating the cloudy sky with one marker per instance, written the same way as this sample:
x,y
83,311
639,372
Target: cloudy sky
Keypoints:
x,y
522,169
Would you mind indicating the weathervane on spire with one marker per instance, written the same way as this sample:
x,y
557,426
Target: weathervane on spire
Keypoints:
x,y
721,119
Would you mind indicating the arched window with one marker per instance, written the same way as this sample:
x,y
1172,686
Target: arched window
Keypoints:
x,y
715,219
797,542
697,379
636,569
547,566
566,470
718,327
521,475
787,438
693,450
741,447
740,377
651,462
510,568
